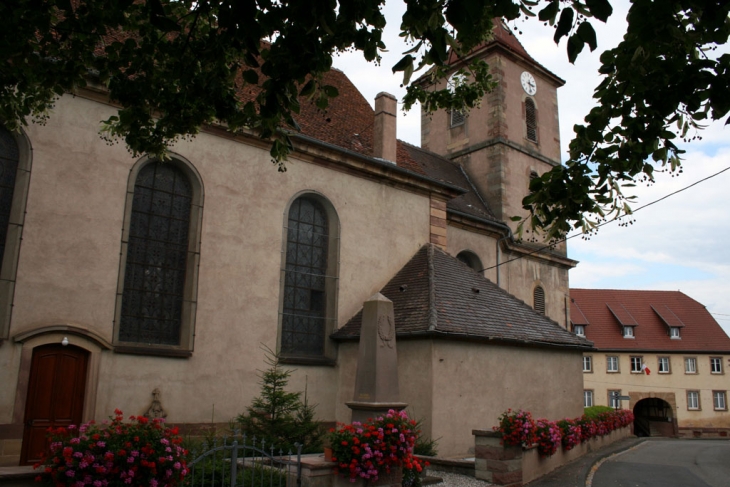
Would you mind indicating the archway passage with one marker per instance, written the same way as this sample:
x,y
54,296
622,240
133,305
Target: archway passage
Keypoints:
x,y
55,395
653,417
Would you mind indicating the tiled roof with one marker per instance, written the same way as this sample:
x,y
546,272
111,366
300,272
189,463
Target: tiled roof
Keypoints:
x,y
505,38
436,295
701,333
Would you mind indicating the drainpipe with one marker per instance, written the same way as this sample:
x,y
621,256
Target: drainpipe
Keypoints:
x,y
499,251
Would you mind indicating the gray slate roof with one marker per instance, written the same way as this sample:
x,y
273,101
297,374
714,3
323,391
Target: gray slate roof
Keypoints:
x,y
436,295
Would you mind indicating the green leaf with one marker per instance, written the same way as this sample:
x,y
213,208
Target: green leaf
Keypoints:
x,y
575,46
564,24
601,9
403,63
250,76
586,32
549,12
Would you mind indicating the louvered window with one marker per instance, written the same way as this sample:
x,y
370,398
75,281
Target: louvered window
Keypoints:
x,y
154,279
531,120
9,157
304,312
458,117
539,299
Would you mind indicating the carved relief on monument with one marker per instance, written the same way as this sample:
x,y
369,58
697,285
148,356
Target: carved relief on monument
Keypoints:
x,y
155,410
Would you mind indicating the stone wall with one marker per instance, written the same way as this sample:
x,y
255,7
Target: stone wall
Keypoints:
x,y
514,466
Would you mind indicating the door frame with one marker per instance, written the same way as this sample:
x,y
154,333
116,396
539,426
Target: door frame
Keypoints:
x,y
77,336
31,433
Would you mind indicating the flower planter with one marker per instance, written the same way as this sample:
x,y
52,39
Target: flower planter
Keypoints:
x,y
327,454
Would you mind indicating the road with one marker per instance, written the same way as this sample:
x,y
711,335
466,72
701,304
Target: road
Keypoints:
x,y
668,463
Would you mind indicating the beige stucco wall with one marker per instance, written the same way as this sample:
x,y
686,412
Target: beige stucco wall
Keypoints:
x,y
69,262
672,385
482,246
456,387
474,383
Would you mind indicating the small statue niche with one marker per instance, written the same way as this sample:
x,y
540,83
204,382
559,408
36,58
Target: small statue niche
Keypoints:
x,y
155,410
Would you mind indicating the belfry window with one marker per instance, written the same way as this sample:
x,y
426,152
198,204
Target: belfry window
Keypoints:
x,y
538,296
531,120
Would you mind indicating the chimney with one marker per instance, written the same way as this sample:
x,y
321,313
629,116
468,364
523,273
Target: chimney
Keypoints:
x,y
384,128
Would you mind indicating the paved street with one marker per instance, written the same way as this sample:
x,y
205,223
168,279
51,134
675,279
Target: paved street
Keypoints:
x,y
668,463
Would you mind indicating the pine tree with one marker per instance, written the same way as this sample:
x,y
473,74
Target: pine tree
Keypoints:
x,y
278,416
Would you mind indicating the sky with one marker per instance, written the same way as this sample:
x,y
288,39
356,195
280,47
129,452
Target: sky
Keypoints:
x,y
680,243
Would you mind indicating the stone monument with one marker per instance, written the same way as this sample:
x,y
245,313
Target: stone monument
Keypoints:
x,y
376,383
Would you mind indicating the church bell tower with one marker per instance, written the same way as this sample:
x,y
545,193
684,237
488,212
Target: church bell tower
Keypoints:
x,y
514,134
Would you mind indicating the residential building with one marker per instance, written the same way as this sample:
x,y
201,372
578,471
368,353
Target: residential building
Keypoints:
x,y
661,349
126,279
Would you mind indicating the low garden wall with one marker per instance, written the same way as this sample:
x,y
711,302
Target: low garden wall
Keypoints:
x,y
514,466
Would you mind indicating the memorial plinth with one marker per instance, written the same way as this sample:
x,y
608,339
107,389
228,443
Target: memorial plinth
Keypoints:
x,y
376,382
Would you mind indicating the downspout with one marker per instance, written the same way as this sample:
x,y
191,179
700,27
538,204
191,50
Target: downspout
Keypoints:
x,y
499,251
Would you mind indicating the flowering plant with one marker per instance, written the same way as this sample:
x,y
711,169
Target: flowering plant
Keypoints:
x,y
549,437
367,450
570,431
517,428
115,454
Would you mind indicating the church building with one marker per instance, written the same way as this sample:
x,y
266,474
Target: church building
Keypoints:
x,y
129,281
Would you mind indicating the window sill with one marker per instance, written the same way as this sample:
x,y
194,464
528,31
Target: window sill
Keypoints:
x,y
613,372
694,409
664,373
160,352
307,361
725,409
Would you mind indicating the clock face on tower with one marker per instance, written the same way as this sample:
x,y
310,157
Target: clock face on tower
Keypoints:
x,y
528,83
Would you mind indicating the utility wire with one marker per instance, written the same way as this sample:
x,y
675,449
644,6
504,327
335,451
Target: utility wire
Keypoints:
x,y
605,223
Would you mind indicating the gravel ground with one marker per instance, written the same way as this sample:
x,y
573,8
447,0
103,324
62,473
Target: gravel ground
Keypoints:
x,y
456,480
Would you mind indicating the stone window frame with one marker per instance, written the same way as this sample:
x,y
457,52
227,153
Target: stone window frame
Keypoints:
x,y
588,397
718,361
608,362
690,370
530,114
539,299
659,365
332,287
634,360
721,395
587,364
611,402
190,290
697,397
14,236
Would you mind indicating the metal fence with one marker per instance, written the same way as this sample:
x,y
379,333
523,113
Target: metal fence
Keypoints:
x,y
236,462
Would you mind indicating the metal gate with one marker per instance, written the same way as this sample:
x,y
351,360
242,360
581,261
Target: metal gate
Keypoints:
x,y
234,462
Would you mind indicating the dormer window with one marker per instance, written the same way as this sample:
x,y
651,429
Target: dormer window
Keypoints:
x,y
579,330
674,333
628,332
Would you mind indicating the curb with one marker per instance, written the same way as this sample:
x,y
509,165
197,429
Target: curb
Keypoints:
x,y
607,456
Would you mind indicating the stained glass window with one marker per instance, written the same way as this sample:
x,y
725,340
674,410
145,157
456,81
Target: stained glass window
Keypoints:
x,y
9,156
154,278
305,299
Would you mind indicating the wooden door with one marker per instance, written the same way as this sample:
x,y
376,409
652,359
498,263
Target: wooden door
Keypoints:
x,y
55,395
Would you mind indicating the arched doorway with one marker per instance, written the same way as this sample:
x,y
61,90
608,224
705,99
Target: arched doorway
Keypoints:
x,y
56,390
654,417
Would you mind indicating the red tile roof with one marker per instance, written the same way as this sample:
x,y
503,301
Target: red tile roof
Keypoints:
x,y
701,333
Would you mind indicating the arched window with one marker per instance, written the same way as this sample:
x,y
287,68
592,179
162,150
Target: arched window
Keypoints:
x,y
538,296
156,308
470,259
531,120
14,179
308,306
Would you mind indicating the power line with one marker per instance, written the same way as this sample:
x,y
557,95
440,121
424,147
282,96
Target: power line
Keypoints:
x,y
607,222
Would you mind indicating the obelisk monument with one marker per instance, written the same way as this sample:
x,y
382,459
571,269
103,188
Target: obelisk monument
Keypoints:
x,y
376,383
